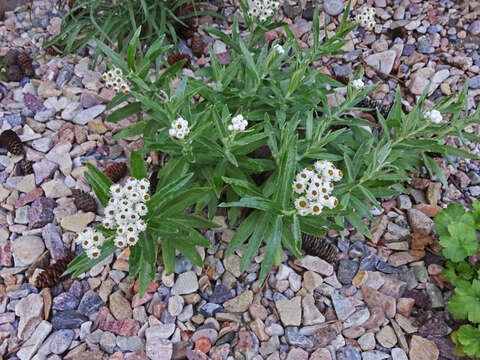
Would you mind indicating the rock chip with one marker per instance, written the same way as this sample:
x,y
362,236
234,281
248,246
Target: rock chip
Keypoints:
x,y
422,349
241,303
290,311
186,283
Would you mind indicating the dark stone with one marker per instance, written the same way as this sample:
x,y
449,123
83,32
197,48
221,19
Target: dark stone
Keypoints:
x,y
41,212
91,303
346,271
182,264
64,76
445,346
294,338
68,319
33,103
357,250
14,119
61,340
227,338
210,309
435,326
421,298
386,268
308,13
53,242
408,49
342,70
348,353
220,294
368,262
65,301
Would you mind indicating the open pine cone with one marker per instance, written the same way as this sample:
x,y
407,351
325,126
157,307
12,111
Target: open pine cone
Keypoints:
x,y
9,140
52,275
172,59
25,63
197,45
84,201
116,171
319,247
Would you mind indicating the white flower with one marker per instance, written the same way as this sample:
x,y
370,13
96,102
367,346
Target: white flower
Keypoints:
x,y
118,72
312,193
316,208
366,18
108,224
93,252
144,182
141,209
172,132
301,203
262,9
141,226
110,75
320,165
116,191
132,239
358,84
238,123
120,241
179,128
337,175
279,49
299,187
97,238
434,116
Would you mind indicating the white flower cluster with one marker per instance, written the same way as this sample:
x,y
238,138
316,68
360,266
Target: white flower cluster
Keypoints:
x,y
238,123
358,84
434,116
91,239
262,9
315,187
113,80
125,209
278,49
179,128
366,18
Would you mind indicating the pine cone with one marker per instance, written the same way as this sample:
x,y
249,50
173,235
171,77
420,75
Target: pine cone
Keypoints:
x,y
25,63
373,104
154,181
2,14
319,247
27,167
84,201
14,73
52,275
9,140
172,59
185,31
11,58
116,171
197,45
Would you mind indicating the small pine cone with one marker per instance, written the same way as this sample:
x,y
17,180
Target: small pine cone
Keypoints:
x,y
172,59
319,247
11,58
197,45
84,201
116,171
9,140
27,167
52,275
25,62
14,73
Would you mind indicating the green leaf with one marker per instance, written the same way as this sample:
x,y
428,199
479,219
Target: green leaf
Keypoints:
x,y
256,203
194,221
137,128
82,263
452,213
254,242
125,111
137,166
469,338
433,168
274,240
132,46
357,221
100,183
148,260
245,229
168,254
465,304
460,243
162,195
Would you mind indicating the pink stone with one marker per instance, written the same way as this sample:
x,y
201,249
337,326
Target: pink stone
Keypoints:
x,y
5,253
374,298
258,311
271,35
297,354
405,305
332,280
116,356
128,327
321,354
315,264
105,320
136,301
28,198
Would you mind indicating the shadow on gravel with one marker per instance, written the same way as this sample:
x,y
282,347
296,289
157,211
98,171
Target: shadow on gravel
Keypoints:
x,y
9,5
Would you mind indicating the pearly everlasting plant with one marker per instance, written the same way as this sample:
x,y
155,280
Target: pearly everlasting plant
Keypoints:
x,y
297,116
262,9
434,116
114,80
